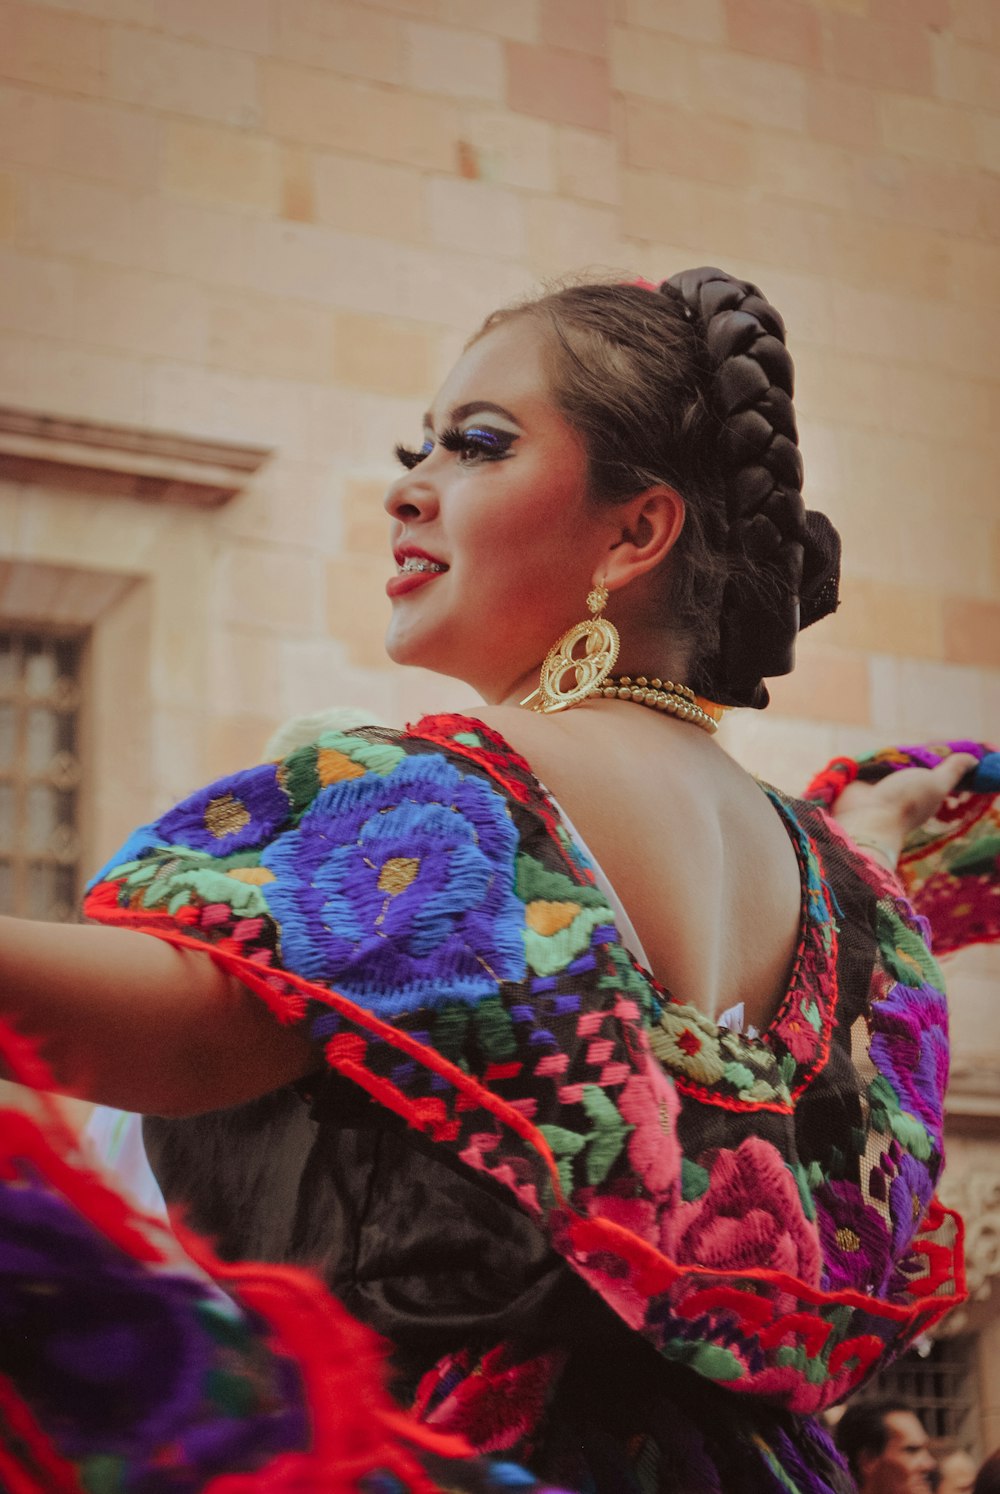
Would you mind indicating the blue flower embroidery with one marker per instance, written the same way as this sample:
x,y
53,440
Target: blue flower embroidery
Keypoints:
x,y
237,813
399,890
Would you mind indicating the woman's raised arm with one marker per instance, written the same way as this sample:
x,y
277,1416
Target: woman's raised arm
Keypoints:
x,y
129,1020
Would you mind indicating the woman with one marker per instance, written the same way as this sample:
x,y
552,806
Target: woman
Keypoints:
x,y
627,1088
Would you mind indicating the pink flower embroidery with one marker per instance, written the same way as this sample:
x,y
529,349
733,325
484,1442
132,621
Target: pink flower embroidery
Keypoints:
x,y
649,1102
750,1217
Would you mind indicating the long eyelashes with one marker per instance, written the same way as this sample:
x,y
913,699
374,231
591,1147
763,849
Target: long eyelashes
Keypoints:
x,y
475,444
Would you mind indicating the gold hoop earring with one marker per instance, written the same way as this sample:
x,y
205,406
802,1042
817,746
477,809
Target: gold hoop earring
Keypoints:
x,y
587,671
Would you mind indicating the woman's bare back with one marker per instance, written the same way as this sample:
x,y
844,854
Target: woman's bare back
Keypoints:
x,y
691,844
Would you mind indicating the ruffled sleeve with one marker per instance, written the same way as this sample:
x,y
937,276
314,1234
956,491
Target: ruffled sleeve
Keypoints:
x,y
950,866
413,902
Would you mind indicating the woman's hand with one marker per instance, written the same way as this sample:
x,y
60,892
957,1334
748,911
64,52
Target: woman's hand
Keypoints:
x,y
879,816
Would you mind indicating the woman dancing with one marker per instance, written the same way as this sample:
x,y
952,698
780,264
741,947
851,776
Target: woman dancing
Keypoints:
x,y
626,1071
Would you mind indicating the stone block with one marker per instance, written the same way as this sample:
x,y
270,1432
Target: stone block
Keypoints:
x,y
8,204
38,295
753,90
843,113
884,57
244,671
298,187
129,310
242,25
577,25
104,142
515,20
386,356
888,618
475,217
564,234
357,608
198,401
698,217
972,632
972,273
352,40
937,15
507,149
209,245
587,165
802,169
976,21
927,130
924,194
276,337
562,86
829,684
79,219
286,496
222,166
180,77
366,523
452,63
911,699
343,114
692,20
784,30
886,256
234,742
52,48
274,589
370,197
62,378
682,142
654,66
965,73
28,131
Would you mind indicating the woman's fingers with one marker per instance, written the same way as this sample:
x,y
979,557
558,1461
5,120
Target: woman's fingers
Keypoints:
x,y
884,813
922,791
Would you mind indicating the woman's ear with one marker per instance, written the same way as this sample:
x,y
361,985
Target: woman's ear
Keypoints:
x,y
646,530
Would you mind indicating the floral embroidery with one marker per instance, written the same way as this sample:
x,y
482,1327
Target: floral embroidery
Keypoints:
x,y
750,1215
856,1243
240,813
418,906
393,886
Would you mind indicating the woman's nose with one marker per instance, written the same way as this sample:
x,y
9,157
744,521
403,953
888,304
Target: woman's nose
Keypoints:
x,y
411,497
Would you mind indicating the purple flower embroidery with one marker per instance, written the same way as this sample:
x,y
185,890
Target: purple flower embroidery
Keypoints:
x,y
109,1352
910,1193
856,1244
910,1048
399,889
234,814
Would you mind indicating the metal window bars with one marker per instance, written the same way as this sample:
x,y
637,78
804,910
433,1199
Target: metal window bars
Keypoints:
x,y
39,772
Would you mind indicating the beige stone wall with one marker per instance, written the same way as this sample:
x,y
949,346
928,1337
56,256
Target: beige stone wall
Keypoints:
x,y
272,221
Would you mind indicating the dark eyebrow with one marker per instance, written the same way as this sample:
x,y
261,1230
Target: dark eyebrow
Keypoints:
x,y
460,412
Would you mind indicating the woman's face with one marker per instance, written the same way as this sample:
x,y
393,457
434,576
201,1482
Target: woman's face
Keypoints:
x,y
495,540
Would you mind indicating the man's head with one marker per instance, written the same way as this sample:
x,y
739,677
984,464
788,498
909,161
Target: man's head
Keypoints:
x,y
886,1447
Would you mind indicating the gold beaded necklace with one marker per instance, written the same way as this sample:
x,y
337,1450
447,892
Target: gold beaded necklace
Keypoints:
x,y
662,695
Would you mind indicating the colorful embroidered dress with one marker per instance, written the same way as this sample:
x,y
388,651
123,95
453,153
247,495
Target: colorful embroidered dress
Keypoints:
x,y
702,1236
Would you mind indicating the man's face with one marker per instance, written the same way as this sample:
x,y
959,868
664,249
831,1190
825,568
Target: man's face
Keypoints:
x,y
903,1467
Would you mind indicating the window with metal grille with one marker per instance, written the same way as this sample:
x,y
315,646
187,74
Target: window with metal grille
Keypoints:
x,y
39,772
937,1378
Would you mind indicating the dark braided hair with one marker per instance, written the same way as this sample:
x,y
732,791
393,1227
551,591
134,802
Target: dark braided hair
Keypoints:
x,y
690,384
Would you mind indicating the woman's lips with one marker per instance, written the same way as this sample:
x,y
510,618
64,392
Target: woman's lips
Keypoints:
x,y
405,581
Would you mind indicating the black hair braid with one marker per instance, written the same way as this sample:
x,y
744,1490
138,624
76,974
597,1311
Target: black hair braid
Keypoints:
x,y
784,559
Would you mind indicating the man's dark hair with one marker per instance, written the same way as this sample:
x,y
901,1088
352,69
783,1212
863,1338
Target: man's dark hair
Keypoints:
x,y
862,1429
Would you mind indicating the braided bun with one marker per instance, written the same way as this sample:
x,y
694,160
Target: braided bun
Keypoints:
x,y
785,560
689,384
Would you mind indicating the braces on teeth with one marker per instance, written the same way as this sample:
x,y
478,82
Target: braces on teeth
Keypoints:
x,y
417,563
